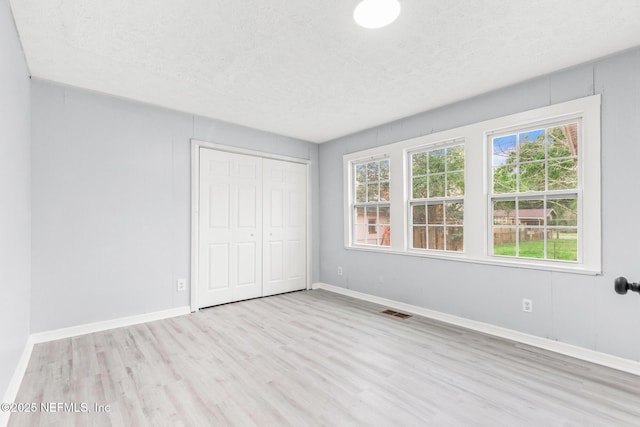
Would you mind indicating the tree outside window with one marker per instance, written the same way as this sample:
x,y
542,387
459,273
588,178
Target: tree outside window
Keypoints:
x,y
535,193
437,199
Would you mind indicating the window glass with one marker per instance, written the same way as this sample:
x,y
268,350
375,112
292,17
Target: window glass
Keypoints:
x,y
535,193
437,204
371,214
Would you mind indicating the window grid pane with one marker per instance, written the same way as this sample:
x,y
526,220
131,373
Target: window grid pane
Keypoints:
x,y
536,161
545,228
436,204
371,210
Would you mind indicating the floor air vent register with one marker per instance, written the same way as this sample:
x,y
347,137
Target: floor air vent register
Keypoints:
x,y
396,314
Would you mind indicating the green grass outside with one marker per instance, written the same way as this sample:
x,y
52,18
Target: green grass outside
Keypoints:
x,y
562,249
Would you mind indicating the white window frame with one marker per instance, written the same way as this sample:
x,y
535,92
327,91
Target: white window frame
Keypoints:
x,y
477,214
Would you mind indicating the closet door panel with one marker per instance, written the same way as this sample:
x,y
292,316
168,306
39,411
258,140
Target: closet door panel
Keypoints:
x,y
285,226
230,227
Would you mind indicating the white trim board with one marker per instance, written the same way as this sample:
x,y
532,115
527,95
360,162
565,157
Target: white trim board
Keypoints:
x,y
89,328
41,337
249,152
581,353
14,384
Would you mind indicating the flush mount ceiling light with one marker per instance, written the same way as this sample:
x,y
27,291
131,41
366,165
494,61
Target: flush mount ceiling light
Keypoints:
x,y
376,13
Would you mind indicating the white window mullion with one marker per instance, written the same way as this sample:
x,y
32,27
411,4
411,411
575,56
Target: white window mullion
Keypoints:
x,y
398,208
475,201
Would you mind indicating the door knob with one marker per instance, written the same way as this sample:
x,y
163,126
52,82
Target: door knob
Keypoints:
x,y
622,285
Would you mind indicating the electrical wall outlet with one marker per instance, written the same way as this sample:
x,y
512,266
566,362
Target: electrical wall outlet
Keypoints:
x,y
527,305
339,271
181,284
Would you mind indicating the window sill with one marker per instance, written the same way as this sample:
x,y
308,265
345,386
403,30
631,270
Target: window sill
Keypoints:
x,y
498,262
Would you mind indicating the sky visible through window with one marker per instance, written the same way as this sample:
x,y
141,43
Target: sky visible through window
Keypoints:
x,y
536,162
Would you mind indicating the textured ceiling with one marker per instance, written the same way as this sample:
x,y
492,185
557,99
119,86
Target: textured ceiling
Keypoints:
x,y
302,68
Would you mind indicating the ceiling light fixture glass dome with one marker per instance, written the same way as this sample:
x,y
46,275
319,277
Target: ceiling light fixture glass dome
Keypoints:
x,y
376,13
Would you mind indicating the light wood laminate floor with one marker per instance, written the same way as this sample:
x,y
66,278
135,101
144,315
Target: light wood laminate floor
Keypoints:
x,y
316,358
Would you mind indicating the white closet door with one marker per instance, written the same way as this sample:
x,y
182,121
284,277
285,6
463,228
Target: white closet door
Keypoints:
x,y
285,226
230,228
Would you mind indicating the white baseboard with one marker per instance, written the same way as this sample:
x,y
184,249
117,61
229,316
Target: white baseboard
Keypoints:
x,y
89,328
14,384
588,355
40,337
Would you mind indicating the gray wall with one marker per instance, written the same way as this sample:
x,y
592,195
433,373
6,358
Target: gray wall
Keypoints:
x,y
14,198
111,203
575,309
